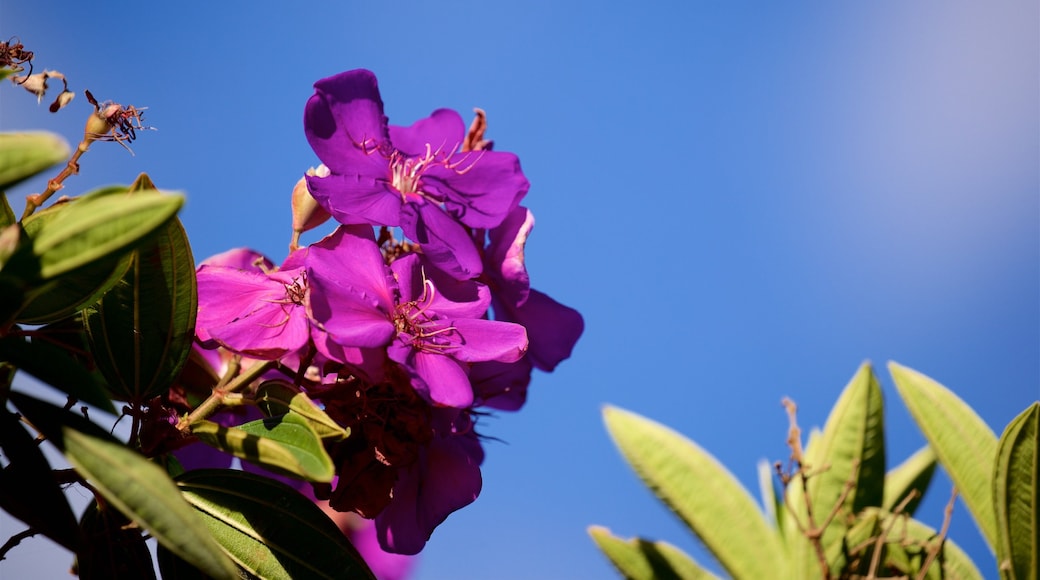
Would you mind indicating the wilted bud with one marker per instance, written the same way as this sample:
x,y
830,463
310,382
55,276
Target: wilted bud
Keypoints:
x,y
307,214
98,125
35,84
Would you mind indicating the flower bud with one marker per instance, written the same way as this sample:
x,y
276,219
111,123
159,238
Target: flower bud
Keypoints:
x,y
98,124
307,214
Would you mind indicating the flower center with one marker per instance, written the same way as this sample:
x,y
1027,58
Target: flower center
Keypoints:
x,y
406,172
296,290
427,332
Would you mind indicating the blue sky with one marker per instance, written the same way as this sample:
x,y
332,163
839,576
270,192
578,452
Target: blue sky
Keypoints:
x,y
745,202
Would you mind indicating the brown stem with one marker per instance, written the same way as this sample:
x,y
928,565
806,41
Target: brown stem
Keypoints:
x,y
875,558
57,183
933,552
213,403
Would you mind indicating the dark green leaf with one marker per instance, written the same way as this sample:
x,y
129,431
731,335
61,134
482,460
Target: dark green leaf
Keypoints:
x,y
1016,486
270,529
54,366
112,548
23,155
639,559
142,490
285,444
141,331
7,217
28,489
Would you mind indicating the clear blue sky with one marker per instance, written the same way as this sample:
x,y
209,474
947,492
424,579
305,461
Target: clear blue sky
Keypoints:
x,y
745,203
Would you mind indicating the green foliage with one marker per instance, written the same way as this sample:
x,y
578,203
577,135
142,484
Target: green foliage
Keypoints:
x,y
638,558
286,444
1016,496
98,299
268,528
700,491
23,155
839,513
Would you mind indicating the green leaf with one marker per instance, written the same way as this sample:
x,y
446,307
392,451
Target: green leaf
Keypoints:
x,y
285,444
699,490
112,548
28,489
7,217
904,545
86,232
141,331
23,155
912,476
965,445
1016,487
640,559
54,366
276,398
142,490
847,457
270,529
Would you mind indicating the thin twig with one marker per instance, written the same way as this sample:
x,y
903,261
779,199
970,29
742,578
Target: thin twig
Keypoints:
x,y
875,558
933,551
15,540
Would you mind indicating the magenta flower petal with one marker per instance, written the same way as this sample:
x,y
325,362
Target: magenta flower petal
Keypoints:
x,y
250,312
553,328
352,290
505,256
354,198
444,130
447,382
484,340
242,259
479,188
345,111
445,243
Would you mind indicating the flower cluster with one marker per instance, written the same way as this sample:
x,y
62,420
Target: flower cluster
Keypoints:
x,y
415,312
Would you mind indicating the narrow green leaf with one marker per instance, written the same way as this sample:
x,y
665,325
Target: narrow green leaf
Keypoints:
x,y
911,476
142,490
28,489
845,461
1016,496
23,155
54,366
276,398
699,490
639,559
850,451
270,529
141,331
86,232
285,444
965,445
7,217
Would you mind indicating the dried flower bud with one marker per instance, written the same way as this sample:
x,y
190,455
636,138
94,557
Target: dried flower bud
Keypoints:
x,y
35,84
307,214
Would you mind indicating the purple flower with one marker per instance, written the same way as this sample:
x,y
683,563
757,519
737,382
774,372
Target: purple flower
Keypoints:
x,y
432,329
414,177
445,478
256,312
552,327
